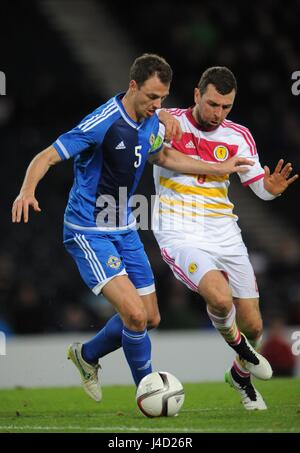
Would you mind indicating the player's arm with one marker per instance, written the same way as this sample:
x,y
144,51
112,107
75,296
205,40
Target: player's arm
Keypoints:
x,y
271,185
174,160
36,170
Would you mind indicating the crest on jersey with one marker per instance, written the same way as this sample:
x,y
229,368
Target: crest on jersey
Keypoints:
x,y
152,139
192,268
221,152
114,262
157,142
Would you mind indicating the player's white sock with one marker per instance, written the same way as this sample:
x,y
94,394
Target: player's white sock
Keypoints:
x,y
227,326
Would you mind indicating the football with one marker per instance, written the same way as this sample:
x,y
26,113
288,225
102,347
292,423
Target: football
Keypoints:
x,y
160,394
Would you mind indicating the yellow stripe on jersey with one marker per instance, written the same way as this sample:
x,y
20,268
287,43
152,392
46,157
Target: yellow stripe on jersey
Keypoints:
x,y
191,190
193,214
194,204
211,178
220,215
172,211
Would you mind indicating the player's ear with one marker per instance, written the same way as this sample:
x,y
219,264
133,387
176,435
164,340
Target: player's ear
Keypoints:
x,y
197,95
133,85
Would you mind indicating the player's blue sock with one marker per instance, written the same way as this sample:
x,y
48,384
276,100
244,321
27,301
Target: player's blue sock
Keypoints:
x,y
137,350
107,340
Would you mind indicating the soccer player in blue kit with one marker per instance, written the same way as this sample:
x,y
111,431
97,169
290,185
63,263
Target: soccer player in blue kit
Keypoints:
x,y
110,147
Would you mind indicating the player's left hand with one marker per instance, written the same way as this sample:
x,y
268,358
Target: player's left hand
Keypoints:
x,y
172,125
280,180
235,164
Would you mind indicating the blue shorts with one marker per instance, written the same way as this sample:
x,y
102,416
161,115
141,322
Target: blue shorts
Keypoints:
x,y
101,256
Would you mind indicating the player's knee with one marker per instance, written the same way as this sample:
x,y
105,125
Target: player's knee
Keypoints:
x,y
153,321
137,319
220,305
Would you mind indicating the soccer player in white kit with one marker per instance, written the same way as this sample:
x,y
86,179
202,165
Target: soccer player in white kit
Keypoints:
x,y
197,230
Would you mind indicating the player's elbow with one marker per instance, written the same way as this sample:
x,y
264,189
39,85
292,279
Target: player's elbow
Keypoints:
x,y
50,156
158,159
162,158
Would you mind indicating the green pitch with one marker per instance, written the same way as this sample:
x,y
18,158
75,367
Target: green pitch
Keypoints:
x,y
208,407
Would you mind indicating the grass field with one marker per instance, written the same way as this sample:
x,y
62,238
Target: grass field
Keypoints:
x,y
208,408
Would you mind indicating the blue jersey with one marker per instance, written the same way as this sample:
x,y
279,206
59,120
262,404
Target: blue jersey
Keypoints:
x,y
110,151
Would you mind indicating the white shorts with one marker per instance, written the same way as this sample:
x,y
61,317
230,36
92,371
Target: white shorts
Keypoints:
x,y
189,263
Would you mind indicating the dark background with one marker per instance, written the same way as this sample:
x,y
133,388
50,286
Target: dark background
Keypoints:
x,y
48,93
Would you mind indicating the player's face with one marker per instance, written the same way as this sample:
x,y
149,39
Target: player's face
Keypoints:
x,y
148,97
212,107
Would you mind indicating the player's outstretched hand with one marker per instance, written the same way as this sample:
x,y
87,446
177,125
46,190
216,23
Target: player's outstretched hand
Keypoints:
x,y
281,179
21,205
172,125
234,165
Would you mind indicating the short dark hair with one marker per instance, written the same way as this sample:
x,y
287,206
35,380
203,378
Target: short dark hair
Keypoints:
x,y
219,76
149,65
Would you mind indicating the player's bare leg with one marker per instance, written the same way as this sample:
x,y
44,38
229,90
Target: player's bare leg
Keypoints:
x,y
250,322
249,318
123,295
152,310
215,289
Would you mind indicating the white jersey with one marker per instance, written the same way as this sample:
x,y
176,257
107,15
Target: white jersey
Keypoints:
x,y
197,206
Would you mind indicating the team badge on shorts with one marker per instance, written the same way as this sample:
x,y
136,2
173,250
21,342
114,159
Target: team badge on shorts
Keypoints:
x,y
192,268
221,152
114,262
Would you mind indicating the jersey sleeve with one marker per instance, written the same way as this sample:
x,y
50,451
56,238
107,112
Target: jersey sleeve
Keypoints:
x,y
158,140
89,132
247,149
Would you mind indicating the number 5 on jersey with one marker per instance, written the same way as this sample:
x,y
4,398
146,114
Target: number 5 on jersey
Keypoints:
x,y
137,162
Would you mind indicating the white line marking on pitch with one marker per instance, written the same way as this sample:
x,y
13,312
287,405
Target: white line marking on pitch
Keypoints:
x,y
133,428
